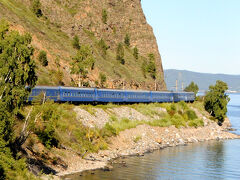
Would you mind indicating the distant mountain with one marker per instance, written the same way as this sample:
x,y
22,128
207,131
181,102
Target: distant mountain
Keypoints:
x,y
203,80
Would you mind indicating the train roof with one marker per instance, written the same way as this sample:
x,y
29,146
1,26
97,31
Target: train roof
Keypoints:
x,y
46,87
92,89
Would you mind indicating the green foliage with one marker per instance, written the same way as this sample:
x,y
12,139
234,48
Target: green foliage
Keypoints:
x,y
144,68
36,8
216,101
75,42
103,46
104,16
17,70
138,138
191,114
172,109
196,123
82,62
57,77
4,27
192,87
42,57
103,79
151,67
120,125
148,109
127,40
47,123
120,53
135,52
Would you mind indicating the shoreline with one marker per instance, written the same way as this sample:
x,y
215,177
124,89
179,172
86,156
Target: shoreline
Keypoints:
x,y
152,138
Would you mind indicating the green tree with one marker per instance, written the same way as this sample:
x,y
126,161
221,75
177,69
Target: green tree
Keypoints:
x,y
103,79
103,46
82,62
104,16
216,101
42,57
120,53
192,87
151,68
127,40
135,52
17,70
75,42
36,8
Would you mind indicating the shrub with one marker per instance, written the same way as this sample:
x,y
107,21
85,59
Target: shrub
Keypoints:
x,y
42,57
196,123
46,127
135,52
165,122
138,138
191,114
144,68
75,42
178,121
108,130
120,53
36,8
103,79
103,47
127,40
104,16
151,68
172,109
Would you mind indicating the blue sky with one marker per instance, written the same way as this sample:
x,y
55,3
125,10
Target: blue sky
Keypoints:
x,y
197,35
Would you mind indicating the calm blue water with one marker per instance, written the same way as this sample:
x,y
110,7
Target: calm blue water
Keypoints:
x,y
207,160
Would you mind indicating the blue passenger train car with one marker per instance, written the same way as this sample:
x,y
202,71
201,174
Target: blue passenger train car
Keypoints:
x,y
49,92
110,95
137,96
75,94
161,96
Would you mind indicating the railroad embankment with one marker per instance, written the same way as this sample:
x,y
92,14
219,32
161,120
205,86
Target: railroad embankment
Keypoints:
x,y
99,134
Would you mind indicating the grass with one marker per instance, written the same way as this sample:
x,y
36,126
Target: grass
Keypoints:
x,y
89,108
58,125
148,109
138,138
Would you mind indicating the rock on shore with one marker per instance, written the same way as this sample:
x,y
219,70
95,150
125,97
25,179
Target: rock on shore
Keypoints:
x,y
142,139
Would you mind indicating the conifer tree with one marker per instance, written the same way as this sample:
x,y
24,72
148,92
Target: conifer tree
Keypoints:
x,y
75,42
127,40
120,53
135,52
42,57
36,8
104,16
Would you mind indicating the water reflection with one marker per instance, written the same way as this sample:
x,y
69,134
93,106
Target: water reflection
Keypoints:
x,y
209,160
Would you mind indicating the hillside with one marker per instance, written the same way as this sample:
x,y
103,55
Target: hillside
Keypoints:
x,y
203,80
61,20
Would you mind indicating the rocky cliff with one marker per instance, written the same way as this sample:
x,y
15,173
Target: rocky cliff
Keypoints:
x,y
61,20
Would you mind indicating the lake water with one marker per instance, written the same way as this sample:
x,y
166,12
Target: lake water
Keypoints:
x,y
206,160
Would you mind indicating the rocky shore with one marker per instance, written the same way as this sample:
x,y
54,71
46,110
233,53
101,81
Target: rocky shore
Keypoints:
x,y
140,140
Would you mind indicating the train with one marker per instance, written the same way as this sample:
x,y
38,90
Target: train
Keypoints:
x,y
96,95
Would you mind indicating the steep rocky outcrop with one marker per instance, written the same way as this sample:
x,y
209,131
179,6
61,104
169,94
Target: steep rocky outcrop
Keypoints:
x,y
63,19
